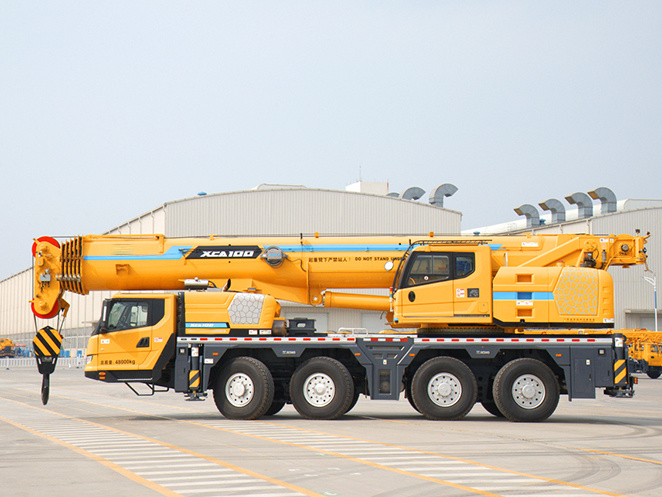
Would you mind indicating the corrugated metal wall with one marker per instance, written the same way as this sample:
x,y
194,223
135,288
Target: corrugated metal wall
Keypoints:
x,y
15,295
151,222
294,211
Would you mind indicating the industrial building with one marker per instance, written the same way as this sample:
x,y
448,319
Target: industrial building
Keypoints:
x,y
362,209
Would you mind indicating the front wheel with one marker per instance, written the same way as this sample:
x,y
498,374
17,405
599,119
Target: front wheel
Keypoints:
x,y
443,388
654,372
526,390
409,397
322,388
244,389
354,400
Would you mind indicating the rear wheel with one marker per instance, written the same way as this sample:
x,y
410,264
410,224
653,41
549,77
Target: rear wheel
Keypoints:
x,y
244,389
526,390
275,407
322,388
491,407
443,388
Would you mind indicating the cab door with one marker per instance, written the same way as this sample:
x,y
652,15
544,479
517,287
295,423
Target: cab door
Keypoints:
x,y
445,287
472,284
426,289
125,339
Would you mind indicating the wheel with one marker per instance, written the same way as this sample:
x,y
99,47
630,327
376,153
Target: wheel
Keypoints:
x,y
654,373
491,407
279,399
354,400
443,388
275,407
526,390
408,395
321,388
244,389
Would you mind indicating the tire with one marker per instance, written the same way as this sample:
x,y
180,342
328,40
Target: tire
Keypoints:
x,y
321,388
244,389
443,388
275,407
654,373
491,407
409,398
354,400
526,390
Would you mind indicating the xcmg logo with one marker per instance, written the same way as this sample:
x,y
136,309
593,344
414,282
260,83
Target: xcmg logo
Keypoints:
x,y
225,252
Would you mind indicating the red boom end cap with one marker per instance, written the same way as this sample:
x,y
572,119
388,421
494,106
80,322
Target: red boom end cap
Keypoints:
x,y
52,314
48,239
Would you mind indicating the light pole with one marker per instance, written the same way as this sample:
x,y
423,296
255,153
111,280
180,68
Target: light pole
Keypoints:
x,y
653,281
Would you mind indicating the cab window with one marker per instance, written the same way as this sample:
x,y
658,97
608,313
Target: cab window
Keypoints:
x,y
129,314
428,268
464,265
434,267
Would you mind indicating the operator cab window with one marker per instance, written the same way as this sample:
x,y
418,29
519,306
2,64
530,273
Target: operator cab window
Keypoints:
x,y
428,268
434,267
464,265
128,314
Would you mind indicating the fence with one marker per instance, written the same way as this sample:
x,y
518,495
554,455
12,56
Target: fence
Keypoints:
x,y
30,362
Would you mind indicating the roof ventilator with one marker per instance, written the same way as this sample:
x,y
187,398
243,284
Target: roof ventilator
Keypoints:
x,y
531,213
438,194
607,198
584,204
556,208
413,193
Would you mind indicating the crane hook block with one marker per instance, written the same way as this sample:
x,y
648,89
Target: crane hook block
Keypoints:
x,y
46,345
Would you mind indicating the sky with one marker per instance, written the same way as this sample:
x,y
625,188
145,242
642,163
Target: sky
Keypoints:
x,y
110,109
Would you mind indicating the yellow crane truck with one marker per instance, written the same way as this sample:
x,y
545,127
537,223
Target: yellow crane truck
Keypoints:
x,y
645,352
7,348
458,308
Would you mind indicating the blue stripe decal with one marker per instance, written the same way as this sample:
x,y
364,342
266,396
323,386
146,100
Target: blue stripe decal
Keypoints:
x,y
178,252
343,248
495,246
206,325
523,296
173,254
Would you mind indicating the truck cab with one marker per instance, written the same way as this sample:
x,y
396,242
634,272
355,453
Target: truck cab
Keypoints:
x,y
444,284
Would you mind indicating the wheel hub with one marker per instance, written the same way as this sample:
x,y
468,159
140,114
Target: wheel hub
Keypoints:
x,y
528,391
239,389
319,389
444,389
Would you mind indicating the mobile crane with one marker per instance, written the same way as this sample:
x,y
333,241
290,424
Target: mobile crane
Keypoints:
x,y
645,352
458,306
7,348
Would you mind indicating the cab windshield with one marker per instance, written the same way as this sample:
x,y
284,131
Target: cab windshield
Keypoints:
x,y
126,314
